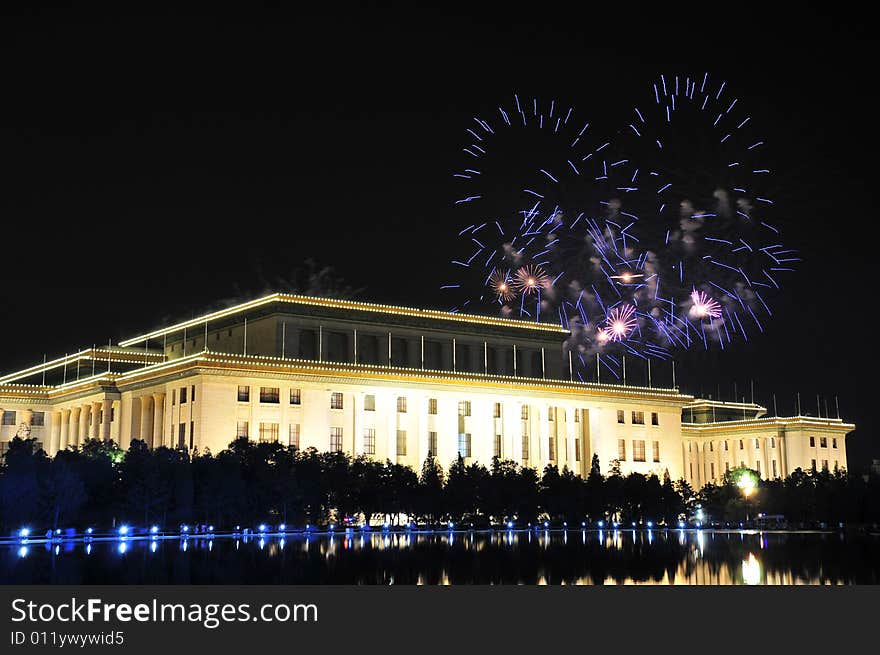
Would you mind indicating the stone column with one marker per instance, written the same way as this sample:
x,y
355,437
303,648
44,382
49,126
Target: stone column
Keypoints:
x,y
54,432
73,427
84,414
146,433
107,419
64,436
25,416
94,432
158,418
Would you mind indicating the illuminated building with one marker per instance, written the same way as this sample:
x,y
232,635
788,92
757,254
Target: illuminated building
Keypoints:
x,y
386,382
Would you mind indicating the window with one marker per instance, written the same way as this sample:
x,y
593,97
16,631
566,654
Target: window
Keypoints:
x,y
712,470
757,444
727,467
173,398
620,416
524,413
834,442
181,435
38,419
401,404
241,430
823,442
552,448
497,451
464,408
741,444
293,435
551,415
192,395
401,443
244,394
774,468
813,464
813,443
655,418
824,464
8,418
773,442
369,441
638,418
432,405
639,450
525,447
269,395
621,450
691,466
835,466
268,432
432,443
577,416
758,468
296,397
497,412
656,448
690,446
183,396
464,444
336,439
711,446
370,403
726,446
336,401
577,450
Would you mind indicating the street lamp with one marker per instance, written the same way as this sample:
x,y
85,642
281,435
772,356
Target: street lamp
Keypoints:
x,y
747,483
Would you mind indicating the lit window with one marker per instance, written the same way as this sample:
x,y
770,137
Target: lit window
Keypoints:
x,y
336,401
497,451
296,397
577,449
401,443
524,413
336,439
268,432
621,416
638,450
241,430
656,448
269,395
369,441
621,450
638,418
370,403
401,404
432,405
294,435
552,448
464,444
464,408
244,394
432,443
525,447
655,418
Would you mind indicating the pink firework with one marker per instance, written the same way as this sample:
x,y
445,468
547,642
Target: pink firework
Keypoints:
x,y
704,306
619,324
530,279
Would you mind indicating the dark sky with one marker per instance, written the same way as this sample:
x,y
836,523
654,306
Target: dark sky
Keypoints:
x,y
155,163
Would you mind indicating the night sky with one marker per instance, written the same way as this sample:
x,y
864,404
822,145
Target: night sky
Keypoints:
x,y
154,165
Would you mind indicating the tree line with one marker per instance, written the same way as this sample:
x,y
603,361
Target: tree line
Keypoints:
x,y
98,484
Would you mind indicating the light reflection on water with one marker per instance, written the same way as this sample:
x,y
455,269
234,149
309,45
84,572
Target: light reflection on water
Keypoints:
x,y
616,556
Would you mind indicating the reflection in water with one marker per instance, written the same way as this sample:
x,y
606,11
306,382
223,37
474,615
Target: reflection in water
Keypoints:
x,y
653,556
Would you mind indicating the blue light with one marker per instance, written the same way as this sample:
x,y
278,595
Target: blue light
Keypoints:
x,y
650,524
282,526
681,524
184,528
451,525
565,524
332,526
633,524
546,524
24,533
385,525
58,531
510,525
122,548
123,530
583,524
262,527
210,528
23,551
601,524
308,527
154,529
89,531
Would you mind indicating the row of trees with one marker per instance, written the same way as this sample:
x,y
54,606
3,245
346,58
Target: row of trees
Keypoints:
x,y
98,484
